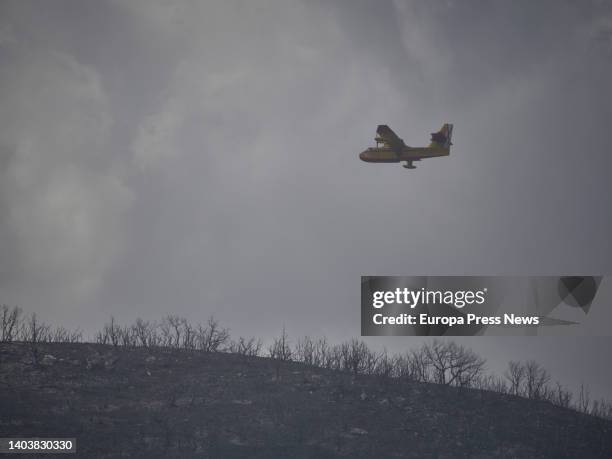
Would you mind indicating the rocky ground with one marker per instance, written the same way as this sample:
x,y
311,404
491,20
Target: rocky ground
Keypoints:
x,y
172,403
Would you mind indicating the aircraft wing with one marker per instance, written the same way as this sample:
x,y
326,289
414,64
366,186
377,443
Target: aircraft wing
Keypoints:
x,y
385,135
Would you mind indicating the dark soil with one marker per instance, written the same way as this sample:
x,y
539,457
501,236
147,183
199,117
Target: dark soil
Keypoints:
x,y
173,403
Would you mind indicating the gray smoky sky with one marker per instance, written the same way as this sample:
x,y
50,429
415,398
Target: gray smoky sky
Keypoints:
x,y
200,158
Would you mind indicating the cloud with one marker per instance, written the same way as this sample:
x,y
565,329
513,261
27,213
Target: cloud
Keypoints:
x,y
155,141
61,198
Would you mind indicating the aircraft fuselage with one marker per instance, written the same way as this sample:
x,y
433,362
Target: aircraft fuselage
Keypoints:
x,y
388,155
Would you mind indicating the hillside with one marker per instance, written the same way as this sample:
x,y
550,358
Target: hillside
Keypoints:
x,y
172,403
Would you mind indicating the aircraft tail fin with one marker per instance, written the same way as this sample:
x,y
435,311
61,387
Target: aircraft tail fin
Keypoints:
x,y
442,138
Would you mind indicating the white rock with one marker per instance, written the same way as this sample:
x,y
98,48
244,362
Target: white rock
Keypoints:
x,y
242,402
48,360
